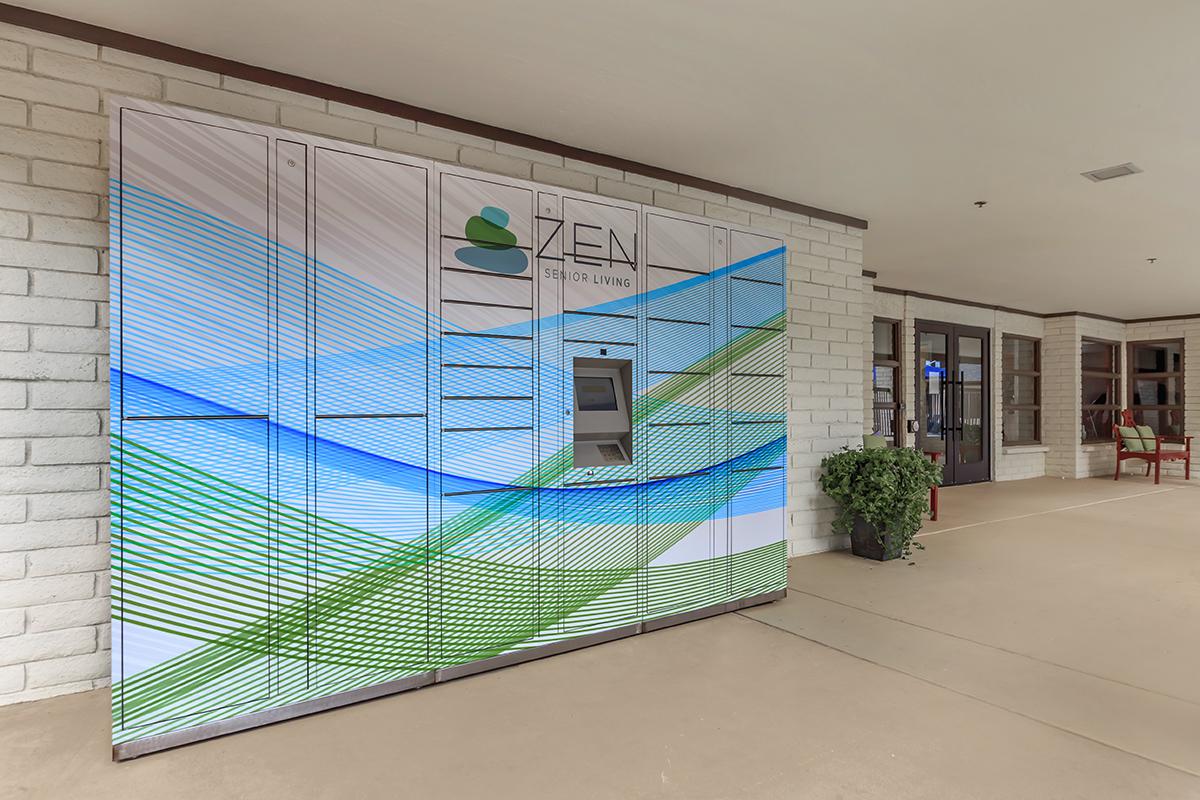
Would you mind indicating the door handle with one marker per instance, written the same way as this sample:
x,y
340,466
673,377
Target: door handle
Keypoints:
x,y
942,410
960,403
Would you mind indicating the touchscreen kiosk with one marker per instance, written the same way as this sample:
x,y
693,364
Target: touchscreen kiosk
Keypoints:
x,y
602,431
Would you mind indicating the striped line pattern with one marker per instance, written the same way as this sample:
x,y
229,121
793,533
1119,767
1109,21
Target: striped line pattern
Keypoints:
x,y
267,552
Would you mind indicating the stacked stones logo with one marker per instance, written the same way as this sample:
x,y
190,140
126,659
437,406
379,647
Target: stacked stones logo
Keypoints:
x,y
493,245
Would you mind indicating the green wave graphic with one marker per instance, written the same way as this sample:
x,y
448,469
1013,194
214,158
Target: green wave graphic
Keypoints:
x,y
407,609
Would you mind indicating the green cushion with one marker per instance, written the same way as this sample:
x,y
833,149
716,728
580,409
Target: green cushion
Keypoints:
x,y
874,441
1132,439
1148,436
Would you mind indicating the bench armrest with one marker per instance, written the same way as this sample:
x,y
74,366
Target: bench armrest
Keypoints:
x,y
1175,439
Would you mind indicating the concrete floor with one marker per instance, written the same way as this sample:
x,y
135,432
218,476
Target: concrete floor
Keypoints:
x,y
1044,646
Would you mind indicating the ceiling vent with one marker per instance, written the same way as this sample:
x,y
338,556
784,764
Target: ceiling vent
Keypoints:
x,y
1108,173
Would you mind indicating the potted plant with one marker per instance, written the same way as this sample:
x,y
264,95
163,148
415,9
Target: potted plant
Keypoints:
x,y
883,496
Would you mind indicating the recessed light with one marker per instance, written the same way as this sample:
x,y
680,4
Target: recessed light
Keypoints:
x,y
1108,173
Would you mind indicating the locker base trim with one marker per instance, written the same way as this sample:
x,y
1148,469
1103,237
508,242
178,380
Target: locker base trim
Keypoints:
x,y
211,730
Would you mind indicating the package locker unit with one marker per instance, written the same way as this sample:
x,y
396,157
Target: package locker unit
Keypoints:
x,y
380,422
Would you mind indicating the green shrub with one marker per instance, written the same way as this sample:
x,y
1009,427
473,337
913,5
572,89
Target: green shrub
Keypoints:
x,y
888,488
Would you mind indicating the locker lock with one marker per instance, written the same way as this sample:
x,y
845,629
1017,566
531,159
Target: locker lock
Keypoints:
x,y
603,351
291,162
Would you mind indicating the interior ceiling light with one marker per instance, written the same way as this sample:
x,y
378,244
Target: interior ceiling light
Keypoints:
x,y
1108,173
980,203
1151,260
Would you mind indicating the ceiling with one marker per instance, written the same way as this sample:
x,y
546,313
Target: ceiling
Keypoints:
x,y
900,113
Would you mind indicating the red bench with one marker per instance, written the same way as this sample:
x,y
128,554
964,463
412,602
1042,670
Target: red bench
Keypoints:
x,y
1154,457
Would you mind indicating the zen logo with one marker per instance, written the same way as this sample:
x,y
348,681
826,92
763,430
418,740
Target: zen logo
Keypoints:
x,y
594,246
493,245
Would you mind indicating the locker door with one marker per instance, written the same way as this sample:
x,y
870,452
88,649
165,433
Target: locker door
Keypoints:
x,y
757,416
486,545
596,544
291,411
368,606
192,537
681,418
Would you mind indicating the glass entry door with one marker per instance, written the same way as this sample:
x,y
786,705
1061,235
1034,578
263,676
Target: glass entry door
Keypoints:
x,y
953,371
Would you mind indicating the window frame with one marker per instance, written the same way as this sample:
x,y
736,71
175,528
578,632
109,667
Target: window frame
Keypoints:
x,y
1036,374
1133,377
897,404
1114,405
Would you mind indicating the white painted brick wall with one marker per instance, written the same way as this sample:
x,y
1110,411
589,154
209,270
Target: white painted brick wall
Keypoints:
x,y
54,529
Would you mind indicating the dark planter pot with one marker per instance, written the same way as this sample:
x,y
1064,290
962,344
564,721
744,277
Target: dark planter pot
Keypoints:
x,y
864,542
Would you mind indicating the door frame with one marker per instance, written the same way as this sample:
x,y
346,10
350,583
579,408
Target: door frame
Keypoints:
x,y
953,331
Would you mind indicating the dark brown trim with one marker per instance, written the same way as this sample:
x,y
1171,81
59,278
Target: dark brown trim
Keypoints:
x,y
870,273
1036,314
954,300
1114,404
1131,348
1036,374
897,403
953,472
1171,318
1083,314
106,37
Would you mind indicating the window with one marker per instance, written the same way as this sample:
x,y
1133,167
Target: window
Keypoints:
x,y
1156,385
1101,363
885,380
1022,390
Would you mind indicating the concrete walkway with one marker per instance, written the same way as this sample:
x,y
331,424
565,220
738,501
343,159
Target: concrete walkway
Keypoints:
x,y
1045,645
